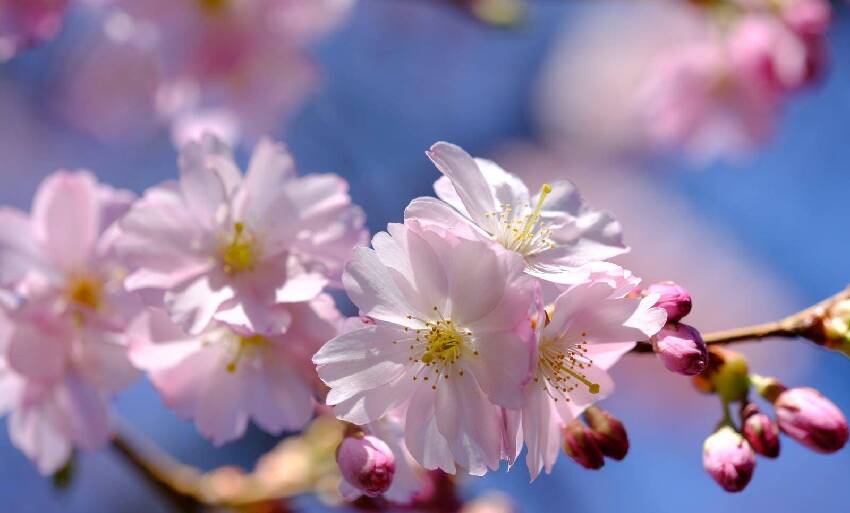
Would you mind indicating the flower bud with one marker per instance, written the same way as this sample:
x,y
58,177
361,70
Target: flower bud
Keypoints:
x,y
674,298
608,432
807,17
366,463
580,445
760,431
728,459
681,349
808,417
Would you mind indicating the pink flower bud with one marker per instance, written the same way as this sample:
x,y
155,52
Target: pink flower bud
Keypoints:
x,y
366,463
728,459
760,431
681,349
807,17
608,432
675,299
581,446
808,417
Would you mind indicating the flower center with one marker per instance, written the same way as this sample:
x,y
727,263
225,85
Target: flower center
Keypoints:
x,y
240,253
520,230
562,370
439,346
244,347
86,291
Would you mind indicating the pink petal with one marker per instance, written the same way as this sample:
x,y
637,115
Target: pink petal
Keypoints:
x,y
66,218
468,181
19,252
193,305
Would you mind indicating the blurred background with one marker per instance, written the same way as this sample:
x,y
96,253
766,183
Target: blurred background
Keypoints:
x,y
754,235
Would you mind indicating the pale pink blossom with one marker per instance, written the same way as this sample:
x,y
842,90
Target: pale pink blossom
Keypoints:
x,y
26,23
62,333
451,339
52,413
221,246
695,98
248,59
553,231
60,260
223,378
582,335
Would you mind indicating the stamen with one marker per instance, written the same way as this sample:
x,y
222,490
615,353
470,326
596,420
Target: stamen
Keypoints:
x,y
535,215
240,253
245,345
85,291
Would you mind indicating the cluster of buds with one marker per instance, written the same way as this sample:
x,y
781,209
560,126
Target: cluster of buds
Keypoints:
x,y
679,347
600,435
803,414
366,462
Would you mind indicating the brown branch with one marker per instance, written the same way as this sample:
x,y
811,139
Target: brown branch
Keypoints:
x,y
806,324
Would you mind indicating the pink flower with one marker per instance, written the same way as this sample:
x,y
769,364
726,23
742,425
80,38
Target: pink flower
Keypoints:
x,y
62,337
247,59
222,377
587,329
451,339
221,246
766,53
694,98
26,23
553,231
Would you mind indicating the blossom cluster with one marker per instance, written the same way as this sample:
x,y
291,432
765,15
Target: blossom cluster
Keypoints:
x,y
213,284
721,92
488,318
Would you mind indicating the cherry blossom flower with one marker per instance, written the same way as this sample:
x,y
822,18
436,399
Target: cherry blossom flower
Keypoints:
x,y
245,60
224,377
553,231
25,23
221,246
451,338
581,335
62,333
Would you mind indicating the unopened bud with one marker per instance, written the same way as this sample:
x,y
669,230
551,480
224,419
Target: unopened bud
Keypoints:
x,y
807,17
808,417
681,349
760,431
581,446
608,432
366,463
674,298
728,459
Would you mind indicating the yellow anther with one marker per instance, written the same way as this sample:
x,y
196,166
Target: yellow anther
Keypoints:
x,y
85,291
244,345
212,6
240,253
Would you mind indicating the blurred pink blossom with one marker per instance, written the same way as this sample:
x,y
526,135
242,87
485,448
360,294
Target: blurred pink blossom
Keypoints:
x,y
246,61
26,23
63,335
224,377
217,245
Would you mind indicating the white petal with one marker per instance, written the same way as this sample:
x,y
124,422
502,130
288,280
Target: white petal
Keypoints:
x,y
468,180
